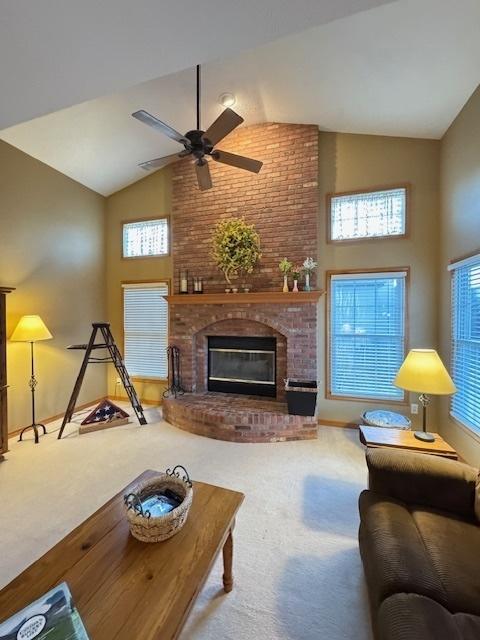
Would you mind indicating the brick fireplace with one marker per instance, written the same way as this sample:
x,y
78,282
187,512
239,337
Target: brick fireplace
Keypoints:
x,y
282,202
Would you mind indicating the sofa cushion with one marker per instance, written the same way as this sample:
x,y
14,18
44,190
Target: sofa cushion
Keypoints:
x,y
393,553
453,548
408,616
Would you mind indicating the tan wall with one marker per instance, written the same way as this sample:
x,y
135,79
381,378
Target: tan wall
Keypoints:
x,y
145,199
51,250
349,162
460,200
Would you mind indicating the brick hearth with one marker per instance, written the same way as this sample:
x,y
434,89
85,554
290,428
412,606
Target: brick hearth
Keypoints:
x,y
237,418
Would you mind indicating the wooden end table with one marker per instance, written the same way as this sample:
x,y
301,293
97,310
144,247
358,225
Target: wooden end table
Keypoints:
x,y
125,589
405,439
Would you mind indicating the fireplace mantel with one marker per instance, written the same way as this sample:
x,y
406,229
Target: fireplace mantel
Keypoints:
x,y
267,297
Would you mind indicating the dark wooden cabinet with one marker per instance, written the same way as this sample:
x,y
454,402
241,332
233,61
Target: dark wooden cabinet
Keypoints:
x,y
3,371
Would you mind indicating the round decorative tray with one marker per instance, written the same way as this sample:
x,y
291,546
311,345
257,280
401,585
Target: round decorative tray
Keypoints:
x,y
157,508
382,418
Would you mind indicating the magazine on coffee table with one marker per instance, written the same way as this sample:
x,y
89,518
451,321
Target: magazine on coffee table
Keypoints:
x,y
51,617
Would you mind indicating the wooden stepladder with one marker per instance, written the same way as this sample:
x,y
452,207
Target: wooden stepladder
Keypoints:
x,y
113,357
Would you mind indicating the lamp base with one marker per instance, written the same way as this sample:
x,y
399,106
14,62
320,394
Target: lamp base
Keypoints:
x,y
35,430
425,436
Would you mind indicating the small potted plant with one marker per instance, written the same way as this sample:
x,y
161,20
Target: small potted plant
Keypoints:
x,y
296,276
236,249
308,268
285,267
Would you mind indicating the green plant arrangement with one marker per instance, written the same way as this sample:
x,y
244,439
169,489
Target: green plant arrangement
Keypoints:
x,y
236,247
285,267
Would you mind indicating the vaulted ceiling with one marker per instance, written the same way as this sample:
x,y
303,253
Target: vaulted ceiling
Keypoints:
x,y
401,68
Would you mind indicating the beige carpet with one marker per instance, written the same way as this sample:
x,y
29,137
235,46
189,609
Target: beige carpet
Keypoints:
x,y
297,569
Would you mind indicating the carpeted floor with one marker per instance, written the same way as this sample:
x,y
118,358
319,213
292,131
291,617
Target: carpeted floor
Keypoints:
x,y
296,564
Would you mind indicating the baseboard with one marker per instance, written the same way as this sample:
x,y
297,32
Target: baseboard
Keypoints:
x,y
337,423
155,403
80,407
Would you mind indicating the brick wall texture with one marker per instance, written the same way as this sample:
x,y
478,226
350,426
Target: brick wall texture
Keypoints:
x,y
282,202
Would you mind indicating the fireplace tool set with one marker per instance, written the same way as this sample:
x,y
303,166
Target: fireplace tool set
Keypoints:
x,y
174,387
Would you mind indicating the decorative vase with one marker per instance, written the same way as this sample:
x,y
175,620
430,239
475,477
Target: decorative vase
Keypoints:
x,y
295,286
234,289
285,284
307,282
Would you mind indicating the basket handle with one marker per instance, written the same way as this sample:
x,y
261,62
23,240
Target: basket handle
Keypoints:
x,y
185,477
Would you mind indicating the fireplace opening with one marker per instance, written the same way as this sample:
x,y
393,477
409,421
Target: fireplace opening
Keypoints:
x,y
242,365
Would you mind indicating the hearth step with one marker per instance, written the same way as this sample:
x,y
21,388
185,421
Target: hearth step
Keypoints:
x,y
238,418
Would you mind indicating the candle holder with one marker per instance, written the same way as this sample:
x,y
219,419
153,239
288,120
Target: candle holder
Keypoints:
x,y
183,282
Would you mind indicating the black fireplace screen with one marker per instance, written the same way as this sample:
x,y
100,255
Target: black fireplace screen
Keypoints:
x,y
242,365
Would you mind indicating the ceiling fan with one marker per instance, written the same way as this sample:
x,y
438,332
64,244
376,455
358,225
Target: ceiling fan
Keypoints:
x,y
200,144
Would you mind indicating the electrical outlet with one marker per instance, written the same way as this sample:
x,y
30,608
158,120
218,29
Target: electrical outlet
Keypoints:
x,y
414,408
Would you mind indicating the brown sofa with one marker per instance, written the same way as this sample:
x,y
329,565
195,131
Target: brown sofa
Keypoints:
x,y
420,546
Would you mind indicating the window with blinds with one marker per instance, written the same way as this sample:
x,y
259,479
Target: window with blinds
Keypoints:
x,y
366,334
145,323
145,238
374,214
465,404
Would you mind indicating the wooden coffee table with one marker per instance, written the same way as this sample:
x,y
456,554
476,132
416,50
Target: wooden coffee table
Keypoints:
x,y
405,439
130,590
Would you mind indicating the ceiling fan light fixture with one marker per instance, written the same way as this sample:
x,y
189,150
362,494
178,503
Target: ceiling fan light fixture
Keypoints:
x,y
227,99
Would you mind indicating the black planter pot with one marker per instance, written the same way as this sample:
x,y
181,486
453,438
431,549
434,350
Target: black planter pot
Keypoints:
x,y
301,397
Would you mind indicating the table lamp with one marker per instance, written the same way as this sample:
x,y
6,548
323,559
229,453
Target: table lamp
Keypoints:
x,y
423,372
31,329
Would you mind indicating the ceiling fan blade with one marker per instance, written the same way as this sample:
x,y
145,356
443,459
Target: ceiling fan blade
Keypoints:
x,y
203,176
157,124
156,163
226,122
237,161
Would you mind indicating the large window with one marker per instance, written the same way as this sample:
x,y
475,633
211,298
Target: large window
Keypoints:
x,y
371,214
465,405
145,238
145,323
367,321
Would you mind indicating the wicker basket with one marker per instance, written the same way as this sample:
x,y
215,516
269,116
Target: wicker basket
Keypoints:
x,y
148,528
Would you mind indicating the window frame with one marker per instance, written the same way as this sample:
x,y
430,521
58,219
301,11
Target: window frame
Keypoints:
x,y
453,264
406,338
354,192
168,282
156,255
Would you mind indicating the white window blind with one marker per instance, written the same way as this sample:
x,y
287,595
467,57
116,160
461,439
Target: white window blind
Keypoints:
x,y
145,320
145,238
367,334
368,215
465,404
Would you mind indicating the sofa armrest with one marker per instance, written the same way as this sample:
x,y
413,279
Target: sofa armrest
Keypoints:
x,y
421,479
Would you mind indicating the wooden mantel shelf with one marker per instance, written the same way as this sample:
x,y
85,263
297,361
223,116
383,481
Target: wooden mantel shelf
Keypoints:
x,y
266,297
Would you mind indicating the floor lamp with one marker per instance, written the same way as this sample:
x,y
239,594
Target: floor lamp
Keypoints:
x,y
423,372
31,329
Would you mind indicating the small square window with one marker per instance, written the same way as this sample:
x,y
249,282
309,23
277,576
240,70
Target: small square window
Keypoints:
x,y
372,214
145,238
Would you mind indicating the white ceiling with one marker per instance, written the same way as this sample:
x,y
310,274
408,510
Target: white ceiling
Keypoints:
x,y
57,53
405,68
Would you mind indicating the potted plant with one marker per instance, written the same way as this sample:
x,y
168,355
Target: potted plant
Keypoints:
x,y
308,268
236,248
296,275
285,267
